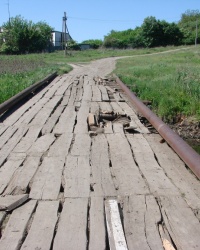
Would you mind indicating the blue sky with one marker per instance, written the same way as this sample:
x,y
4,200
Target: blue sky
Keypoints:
x,y
90,19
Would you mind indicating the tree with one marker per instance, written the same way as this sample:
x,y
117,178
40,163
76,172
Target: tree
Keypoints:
x,y
94,43
187,25
21,36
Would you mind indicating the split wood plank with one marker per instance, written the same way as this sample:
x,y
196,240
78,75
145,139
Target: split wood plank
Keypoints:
x,y
116,236
96,94
7,135
2,216
175,169
16,227
118,97
53,102
65,100
79,93
22,176
108,128
130,112
28,140
10,202
182,225
54,87
41,145
3,128
72,95
104,93
158,182
118,128
10,145
61,146
94,108
47,181
41,117
117,108
40,235
105,106
87,92
66,121
110,89
63,87
77,177
82,125
101,175
124,169
72,226
97,235
49,125
81,145
141,217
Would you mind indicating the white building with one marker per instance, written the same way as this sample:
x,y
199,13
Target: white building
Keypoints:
x,y
57,39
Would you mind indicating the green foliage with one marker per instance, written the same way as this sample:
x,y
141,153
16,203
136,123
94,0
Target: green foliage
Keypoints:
x,y
21,36
187,25
94,43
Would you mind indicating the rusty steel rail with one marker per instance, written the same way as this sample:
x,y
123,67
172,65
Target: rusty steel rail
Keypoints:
x,y
186,153
18,97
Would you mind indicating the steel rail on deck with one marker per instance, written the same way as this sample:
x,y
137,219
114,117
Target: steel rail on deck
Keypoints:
x,y
186,153
18,97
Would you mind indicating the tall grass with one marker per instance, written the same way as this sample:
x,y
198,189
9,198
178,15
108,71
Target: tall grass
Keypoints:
x,y
171,81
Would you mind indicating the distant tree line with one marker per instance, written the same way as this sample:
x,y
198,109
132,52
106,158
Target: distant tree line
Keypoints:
x,y
21,36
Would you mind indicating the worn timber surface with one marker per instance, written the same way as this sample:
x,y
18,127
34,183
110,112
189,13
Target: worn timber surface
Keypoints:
x,y
78,170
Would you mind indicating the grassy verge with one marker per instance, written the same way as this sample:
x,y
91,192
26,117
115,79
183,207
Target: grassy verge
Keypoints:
x,y
171,81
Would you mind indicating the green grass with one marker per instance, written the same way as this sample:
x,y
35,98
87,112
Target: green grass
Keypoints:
x,y
171,81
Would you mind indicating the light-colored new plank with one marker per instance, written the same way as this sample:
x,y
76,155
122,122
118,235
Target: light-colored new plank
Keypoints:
x,y
47,181
16,227
116,236
71,233
158,182
10,202
40,235
77,177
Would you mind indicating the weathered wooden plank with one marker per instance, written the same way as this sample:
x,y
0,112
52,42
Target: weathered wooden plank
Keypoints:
x,y
79,93
10,202
97,239
181,222
61,146
118,97
47,181
22,176
114,226
66,121
105,106
49,125
81,145
7,135
40,235
72,97
141,217
64,87
41,117
2,216
28,140
7,171
8,147
117,108
72,226
96,94
87,92
3,128
104,93
41,145
94,108
158,182
175,169
65,100
108,128
102,182
118,127
77,177
16,227
54,87
123,167
82,125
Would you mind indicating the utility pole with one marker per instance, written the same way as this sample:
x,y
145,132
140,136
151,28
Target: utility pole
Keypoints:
x,y
9,10
196,38
64,36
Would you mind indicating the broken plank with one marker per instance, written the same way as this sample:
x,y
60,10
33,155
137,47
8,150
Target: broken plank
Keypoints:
x,y
66,121
157,180
72,227
77,177
124,168
16,227
81,145
97,240
101,175
82,125
40,237
118,97
182,224
7,171
61,146
41,145
10,202
116,236
22,177
47,181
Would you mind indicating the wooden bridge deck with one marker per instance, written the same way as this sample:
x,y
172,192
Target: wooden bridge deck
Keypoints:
x,y
65,184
